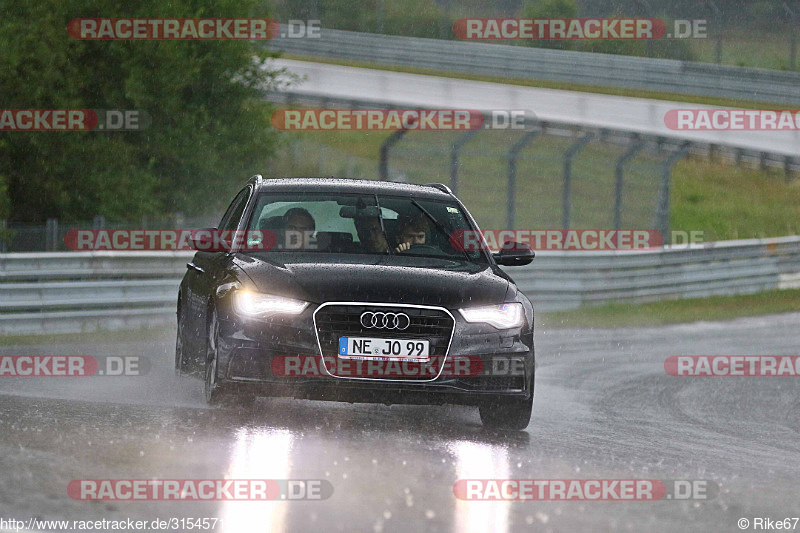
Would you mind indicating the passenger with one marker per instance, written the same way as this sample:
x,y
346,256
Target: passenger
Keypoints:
x,y
411,231
299,228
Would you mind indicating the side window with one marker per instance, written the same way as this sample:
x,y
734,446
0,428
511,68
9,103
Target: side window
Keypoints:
x,y
231,218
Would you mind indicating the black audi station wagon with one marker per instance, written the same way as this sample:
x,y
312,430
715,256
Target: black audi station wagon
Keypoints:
x,y
356,291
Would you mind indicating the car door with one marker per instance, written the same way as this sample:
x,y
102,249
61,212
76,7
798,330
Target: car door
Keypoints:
x,y
203,275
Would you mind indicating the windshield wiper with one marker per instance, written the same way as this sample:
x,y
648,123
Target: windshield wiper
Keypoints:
x,y
439,226
383,228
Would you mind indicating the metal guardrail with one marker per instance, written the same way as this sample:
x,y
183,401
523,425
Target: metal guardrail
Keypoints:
x,y
87,291
568,280
76,292
662,75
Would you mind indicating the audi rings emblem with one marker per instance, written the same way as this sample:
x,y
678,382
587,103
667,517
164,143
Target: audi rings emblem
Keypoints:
x,y
379,319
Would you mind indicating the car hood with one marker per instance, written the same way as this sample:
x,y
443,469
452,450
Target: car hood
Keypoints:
x,y
389,279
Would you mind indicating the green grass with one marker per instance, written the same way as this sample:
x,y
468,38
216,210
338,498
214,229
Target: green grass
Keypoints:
x,y
746,48
94,337
675,311
545,84
727,202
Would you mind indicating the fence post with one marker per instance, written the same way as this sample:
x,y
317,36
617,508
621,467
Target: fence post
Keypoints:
x,y
512,173
662,210
571,152
383,162
460,142
51,234
792,37
380,16
629,154
295,152
3,228
717,28
322,163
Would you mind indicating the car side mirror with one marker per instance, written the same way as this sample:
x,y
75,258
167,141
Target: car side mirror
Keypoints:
x,y
514,254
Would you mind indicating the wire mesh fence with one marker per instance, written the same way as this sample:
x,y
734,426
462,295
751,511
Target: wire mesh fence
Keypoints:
x,y
549,181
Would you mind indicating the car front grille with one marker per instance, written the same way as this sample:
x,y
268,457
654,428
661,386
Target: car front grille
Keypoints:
x,y
344,320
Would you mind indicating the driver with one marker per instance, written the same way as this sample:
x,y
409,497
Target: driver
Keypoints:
x,y
411,230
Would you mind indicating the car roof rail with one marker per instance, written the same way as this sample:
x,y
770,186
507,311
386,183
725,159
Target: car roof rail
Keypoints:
x,y
441,186
257,179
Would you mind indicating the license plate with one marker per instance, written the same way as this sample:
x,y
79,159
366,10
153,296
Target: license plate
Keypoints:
x,y
369,348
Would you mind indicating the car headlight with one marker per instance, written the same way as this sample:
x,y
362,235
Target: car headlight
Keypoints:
x,y
502,316
261,305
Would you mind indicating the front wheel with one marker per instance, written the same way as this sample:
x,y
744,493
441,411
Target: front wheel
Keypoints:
x,y
211,389
179,349
508,413
214,392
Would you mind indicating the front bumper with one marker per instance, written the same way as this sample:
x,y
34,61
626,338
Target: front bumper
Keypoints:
x,y
247,350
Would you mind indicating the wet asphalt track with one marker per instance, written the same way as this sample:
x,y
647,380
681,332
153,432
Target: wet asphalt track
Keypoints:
x,y
604,408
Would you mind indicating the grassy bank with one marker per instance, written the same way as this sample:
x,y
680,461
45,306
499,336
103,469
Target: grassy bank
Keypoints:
x,y
675,311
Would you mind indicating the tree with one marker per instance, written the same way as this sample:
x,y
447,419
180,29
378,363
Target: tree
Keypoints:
x,y
551,9
210,125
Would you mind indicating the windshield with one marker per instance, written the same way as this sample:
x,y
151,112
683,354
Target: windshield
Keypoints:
x,y
358,224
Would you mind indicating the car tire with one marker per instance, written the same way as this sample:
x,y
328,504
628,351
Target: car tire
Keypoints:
x,y
214,392
507,413
180,361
